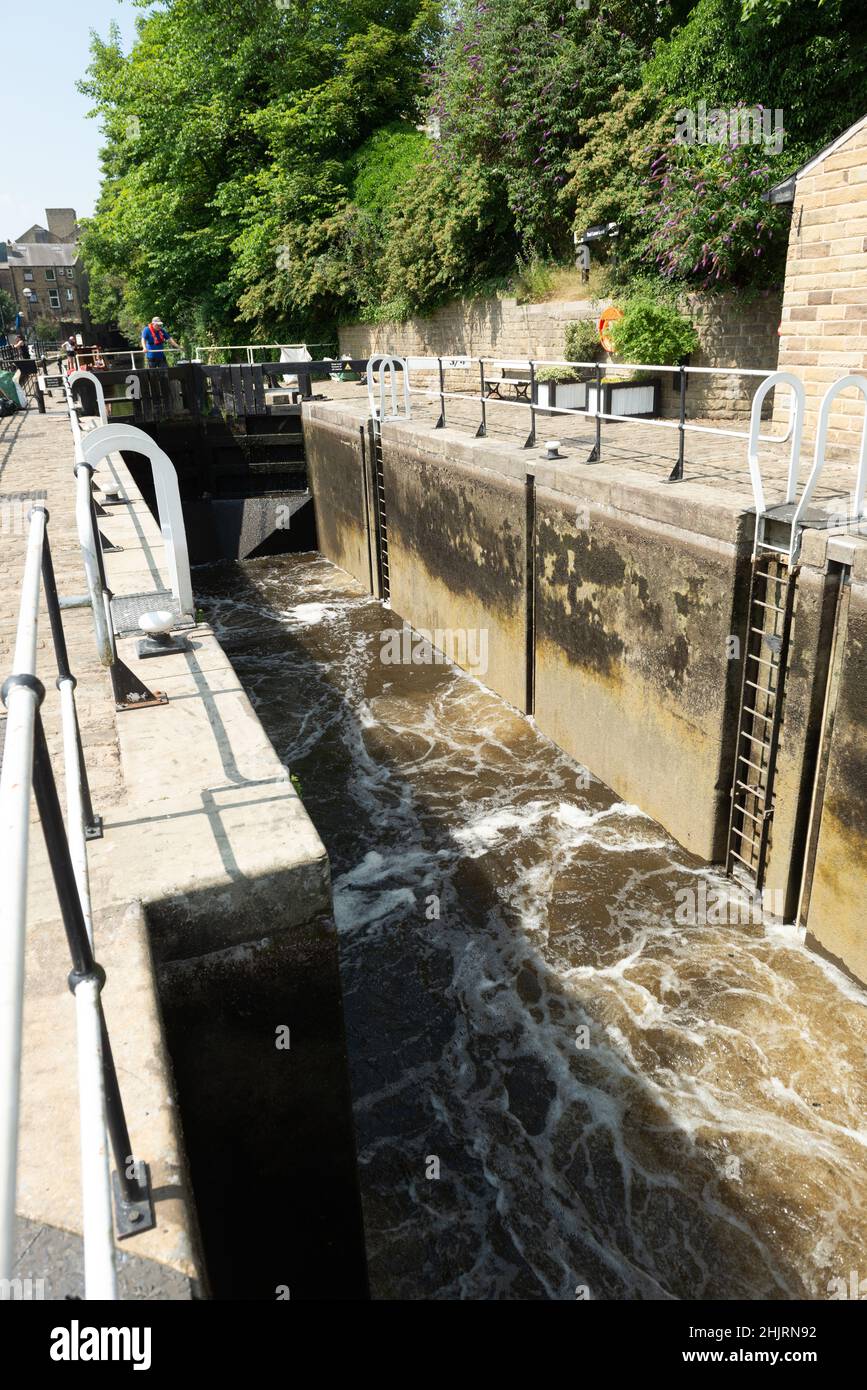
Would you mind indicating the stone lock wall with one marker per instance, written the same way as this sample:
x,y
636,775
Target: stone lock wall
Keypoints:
x,y
608,604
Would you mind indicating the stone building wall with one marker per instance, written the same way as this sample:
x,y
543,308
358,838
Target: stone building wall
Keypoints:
x,y
824,321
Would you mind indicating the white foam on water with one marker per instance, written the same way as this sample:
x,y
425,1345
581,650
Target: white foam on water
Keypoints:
x,y
708,1142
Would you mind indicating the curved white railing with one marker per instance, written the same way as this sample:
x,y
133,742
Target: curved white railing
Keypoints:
x,y
78,375
108,439
391,365
860,384
797,401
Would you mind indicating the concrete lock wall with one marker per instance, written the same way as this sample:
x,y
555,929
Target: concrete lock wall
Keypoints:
x,y
335,451
613,600
633,615
457,551
836,915
610,608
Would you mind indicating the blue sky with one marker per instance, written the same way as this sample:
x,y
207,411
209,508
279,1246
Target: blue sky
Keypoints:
x,y
51,150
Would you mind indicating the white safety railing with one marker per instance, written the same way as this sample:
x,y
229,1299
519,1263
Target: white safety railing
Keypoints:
x,y
109,439
22,701
379,371
857,514
82,375
204,350
526,394
90,448
93,447
136,358
526,399
26,767
795,433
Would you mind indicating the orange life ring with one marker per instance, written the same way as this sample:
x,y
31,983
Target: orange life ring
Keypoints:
x,y
609,315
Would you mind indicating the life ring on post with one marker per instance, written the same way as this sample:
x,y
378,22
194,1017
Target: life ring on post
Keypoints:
x,y
608,316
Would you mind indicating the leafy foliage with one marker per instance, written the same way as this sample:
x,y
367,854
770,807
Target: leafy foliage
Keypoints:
x,y
265,173
564,375
582,341
7,310
709,220
228,128
651,331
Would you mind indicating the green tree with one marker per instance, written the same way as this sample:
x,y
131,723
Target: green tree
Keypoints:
x,y
7,310
697,213
224,126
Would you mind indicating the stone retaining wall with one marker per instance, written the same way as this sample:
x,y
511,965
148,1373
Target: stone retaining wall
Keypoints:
x,y
731,333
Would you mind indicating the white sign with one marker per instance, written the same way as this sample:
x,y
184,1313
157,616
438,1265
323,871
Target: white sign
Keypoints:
x,y
421,364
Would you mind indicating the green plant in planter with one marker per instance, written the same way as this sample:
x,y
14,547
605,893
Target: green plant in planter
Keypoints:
x,y
561,375
653,332
582,341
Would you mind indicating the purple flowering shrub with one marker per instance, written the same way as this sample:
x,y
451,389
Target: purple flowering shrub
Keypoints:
x,y
706,218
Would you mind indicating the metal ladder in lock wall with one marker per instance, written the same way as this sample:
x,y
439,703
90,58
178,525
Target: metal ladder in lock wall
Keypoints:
x,y
380,513
382,373
770,613
769,623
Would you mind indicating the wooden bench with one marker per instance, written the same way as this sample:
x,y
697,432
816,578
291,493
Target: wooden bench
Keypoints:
x,y
510,376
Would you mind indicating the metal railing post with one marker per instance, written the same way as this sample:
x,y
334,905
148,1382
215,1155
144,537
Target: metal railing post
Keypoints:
x,y
482,431
440,424
531,437
676,474
596,452
65,678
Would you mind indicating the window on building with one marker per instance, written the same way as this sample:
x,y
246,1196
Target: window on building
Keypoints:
x,y
70,272
49,273
70,296
54,298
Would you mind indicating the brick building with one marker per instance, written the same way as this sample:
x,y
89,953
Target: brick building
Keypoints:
x,y
823,334
43,273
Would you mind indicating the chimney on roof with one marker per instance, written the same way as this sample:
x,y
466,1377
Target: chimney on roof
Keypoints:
x,y
63,223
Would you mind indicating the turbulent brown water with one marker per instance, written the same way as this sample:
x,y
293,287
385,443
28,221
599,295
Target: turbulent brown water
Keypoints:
x,y
620,1106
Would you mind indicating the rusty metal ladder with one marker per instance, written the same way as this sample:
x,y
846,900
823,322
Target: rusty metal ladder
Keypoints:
x,y
773,583
766,650
380,512
387,402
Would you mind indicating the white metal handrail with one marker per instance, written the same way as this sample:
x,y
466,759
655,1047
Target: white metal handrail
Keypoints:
x,y
177,355
22,701
24,752
860,384
81,375
594,413
251,348
108,439
391,365
797,400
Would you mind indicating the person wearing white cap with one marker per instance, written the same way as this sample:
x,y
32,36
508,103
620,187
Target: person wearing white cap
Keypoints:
x,y
153,340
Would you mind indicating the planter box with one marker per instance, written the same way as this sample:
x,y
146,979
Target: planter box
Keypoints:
x,y
568,395
639,398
